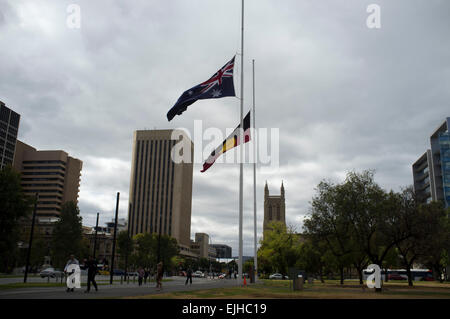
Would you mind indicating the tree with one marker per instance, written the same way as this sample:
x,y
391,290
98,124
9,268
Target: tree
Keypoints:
x,y
14,206
279,249
125,246
144,254
329,223
435,237
67,235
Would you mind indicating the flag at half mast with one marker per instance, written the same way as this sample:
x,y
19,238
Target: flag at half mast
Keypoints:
x,y
219,85
230,142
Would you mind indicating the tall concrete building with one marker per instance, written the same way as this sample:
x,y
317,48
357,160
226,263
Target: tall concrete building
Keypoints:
x,y
9,127
431,172
274,208
54,175
161,190
222,251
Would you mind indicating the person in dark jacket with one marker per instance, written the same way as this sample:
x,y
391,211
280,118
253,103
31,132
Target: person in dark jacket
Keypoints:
x,y
91,266
189,276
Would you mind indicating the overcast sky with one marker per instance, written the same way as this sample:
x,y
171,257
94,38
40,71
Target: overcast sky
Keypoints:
x,y
344,96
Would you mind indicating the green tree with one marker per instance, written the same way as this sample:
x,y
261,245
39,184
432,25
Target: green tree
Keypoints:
x,y
125,247
14,206
144,254
435,237
67,235
328,222
279,249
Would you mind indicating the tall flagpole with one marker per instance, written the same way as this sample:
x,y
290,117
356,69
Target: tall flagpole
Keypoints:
x,y
241,140
255,258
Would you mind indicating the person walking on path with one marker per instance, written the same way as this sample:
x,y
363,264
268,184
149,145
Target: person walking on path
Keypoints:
x,y
71,261
141,274
91,266
159,275
188,276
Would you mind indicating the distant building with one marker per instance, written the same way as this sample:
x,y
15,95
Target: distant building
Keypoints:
x,y
122,225
9,127
274,208
222,251
160,190
103,252
202,248
53,175
431,172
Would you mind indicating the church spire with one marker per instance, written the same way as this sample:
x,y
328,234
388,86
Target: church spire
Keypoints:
x,y
282,189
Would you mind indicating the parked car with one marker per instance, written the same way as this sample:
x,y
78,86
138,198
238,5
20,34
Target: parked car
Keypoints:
x,y
130,273
276,276
428,278
222,276
117,272
103,272
396,277
51,272
198,274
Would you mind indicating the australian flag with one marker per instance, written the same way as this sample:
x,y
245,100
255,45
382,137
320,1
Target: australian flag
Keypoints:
x,y
219,85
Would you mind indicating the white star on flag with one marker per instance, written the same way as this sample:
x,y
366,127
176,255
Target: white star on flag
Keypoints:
x,y
216,93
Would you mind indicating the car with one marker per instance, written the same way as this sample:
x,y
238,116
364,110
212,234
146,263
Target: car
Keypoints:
x,y
276,276
130,273
198,274
103,272
51,273
222,276
427,278
396,277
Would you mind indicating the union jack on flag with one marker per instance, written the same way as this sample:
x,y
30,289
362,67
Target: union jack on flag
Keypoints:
x,y
218,86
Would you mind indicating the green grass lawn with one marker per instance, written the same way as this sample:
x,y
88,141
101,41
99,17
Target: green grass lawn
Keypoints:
x,y
330,289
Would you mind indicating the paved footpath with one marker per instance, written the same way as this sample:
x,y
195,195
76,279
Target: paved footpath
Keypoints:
x,y
116,290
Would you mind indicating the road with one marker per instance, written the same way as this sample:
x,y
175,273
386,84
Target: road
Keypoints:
x,y
111,291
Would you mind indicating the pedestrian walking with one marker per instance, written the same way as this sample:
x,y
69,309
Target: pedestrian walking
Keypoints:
x,y
71,261
91,266
159,275
141,274
188,276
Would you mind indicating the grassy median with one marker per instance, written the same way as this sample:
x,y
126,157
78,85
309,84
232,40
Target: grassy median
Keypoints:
x,y
281,289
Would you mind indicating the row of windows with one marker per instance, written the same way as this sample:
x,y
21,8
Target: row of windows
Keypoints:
x,y
43,173
48,202
45,162
48,208
44,167
39,191
43,179
41,185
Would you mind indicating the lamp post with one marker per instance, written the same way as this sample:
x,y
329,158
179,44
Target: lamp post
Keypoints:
x,y
31,239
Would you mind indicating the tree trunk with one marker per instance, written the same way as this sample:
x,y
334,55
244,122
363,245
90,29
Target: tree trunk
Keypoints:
x,y
408,273
342,275
386,278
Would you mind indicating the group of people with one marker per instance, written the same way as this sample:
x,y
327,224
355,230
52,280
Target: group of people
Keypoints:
x,y
143,274
90,265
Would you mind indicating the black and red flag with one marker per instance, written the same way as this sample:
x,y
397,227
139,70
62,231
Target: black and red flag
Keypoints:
x,y
219,85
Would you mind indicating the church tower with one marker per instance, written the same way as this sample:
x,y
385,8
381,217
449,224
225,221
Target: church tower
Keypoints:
x,y
274,207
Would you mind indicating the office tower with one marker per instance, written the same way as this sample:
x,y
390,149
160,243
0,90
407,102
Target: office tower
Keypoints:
x,y
9,127
160,189
431,172
222,251
54,175
274,208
